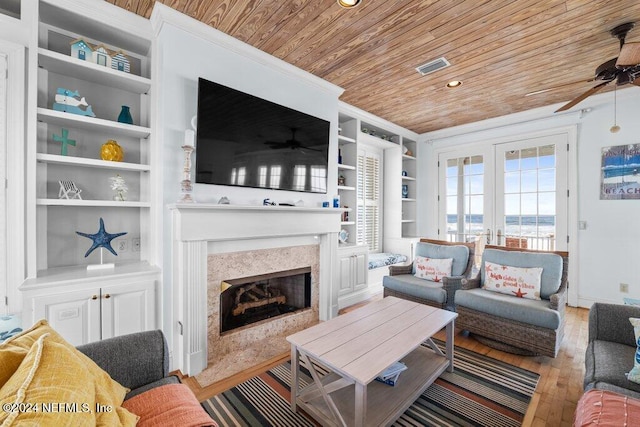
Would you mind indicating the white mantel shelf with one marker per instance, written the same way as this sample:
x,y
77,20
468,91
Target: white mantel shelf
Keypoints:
x,y
193,221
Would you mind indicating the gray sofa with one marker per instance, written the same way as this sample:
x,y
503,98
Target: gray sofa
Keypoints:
x,y
611,349
138,361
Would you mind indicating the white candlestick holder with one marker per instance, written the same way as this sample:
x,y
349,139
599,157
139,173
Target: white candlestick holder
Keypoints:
x,y
186,187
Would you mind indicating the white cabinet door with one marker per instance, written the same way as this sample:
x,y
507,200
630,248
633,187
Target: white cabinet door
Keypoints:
x,y
346,276
360,270
128,308
75,315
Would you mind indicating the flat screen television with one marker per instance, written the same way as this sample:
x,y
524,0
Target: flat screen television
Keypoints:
x,y
246,141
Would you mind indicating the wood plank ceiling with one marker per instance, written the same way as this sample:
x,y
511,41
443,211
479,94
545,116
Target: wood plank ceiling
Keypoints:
x,y
500,49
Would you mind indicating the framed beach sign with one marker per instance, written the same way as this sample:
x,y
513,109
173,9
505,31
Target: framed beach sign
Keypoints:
x,y
620,172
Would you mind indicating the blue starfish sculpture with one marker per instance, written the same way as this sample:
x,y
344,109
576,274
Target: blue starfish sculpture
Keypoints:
x,y
101,239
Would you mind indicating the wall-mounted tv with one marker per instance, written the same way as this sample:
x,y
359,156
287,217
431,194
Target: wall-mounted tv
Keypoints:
x,y
246,141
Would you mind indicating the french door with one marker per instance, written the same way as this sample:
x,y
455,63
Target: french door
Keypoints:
x,y
510,194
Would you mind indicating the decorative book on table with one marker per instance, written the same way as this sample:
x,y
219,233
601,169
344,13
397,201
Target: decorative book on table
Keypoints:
x,y
391,374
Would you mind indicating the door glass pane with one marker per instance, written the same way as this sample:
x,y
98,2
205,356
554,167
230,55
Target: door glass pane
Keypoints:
x,y
465,198
530,210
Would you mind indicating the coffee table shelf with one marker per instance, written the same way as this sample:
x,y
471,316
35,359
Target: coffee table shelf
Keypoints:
x,y
384,402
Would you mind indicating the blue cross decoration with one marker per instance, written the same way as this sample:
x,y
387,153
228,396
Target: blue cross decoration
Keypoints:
x,y
64,140
101,239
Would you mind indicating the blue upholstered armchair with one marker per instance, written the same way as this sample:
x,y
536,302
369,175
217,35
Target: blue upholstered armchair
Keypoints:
x,y
403,283
512,324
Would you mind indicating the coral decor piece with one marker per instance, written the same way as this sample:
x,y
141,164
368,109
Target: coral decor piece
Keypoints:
x,y
119,185
101,239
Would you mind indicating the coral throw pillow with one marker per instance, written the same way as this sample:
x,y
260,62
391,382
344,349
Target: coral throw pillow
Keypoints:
x,y
634,374
433,269
522,282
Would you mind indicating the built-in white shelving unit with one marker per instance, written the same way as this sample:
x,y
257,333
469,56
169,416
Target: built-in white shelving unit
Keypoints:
x,y
55,253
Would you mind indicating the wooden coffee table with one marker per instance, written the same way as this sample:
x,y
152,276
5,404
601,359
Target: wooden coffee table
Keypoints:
x,y
357,347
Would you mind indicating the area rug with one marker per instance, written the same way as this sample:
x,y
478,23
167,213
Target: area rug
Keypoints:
x,y
481,391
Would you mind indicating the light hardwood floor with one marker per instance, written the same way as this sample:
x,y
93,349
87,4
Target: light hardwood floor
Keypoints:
x,y
558,390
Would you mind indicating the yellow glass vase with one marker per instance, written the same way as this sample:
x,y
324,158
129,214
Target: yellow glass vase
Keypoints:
x,y
111,151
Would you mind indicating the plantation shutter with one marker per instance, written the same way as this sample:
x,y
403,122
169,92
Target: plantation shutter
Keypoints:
x,y
368,194
3,176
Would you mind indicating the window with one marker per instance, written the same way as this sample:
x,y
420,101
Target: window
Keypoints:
x,y
274,178
368,194
262,176
299,177
319,178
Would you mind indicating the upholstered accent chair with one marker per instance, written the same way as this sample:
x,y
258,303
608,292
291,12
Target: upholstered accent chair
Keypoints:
x,y
402,282
512,324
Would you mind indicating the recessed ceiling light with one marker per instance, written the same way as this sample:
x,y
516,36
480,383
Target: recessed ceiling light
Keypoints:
x,y
454,83
348,4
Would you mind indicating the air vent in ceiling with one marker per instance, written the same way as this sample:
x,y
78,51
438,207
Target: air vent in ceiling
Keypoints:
x,y
432,66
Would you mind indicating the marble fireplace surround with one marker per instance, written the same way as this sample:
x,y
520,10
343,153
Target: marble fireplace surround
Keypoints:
x,y
202,233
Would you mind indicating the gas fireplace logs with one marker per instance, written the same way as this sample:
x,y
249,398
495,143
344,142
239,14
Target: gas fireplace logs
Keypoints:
x,y
256,295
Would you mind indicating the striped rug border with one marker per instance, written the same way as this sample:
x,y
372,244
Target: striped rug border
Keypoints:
x,y
482,391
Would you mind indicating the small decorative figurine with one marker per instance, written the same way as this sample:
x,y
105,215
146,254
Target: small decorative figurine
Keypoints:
x,y
64,140
341,180
82,50
68,190
120,62
405,191
120,187
101,239
224,200
102,56
110,150
71,102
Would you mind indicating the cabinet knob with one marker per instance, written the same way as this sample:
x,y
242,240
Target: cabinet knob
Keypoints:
x,y
107,296
94,297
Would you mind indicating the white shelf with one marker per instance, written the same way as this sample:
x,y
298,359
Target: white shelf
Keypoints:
x,y
84,70
404,156
61,118
407,199
408,221
91,163
92,203
342,138
348,223
408,178
346,167
346,188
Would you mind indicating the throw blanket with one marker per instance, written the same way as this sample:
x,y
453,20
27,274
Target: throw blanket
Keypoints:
x,y
380,260
168,405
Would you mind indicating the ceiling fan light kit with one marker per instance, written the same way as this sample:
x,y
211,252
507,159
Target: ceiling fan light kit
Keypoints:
x,y
348,4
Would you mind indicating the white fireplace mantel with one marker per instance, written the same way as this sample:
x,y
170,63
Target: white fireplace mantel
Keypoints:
x,y
194,226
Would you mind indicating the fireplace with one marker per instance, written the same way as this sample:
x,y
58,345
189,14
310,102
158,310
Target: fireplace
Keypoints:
x,y
249,300
212,243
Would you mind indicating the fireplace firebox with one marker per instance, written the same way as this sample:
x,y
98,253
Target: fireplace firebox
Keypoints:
x,y
248,300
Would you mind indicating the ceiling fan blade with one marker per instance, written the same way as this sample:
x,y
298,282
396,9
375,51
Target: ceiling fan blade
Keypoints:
x,y
537,92
583,96
629,55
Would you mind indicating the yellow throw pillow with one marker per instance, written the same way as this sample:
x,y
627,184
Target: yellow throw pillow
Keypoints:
x,y
109,393
42,391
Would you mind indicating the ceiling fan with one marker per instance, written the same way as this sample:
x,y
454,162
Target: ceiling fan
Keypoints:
x,y
292,143
623,70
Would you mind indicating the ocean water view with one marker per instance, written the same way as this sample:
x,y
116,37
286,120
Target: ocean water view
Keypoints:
x,y
541,226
